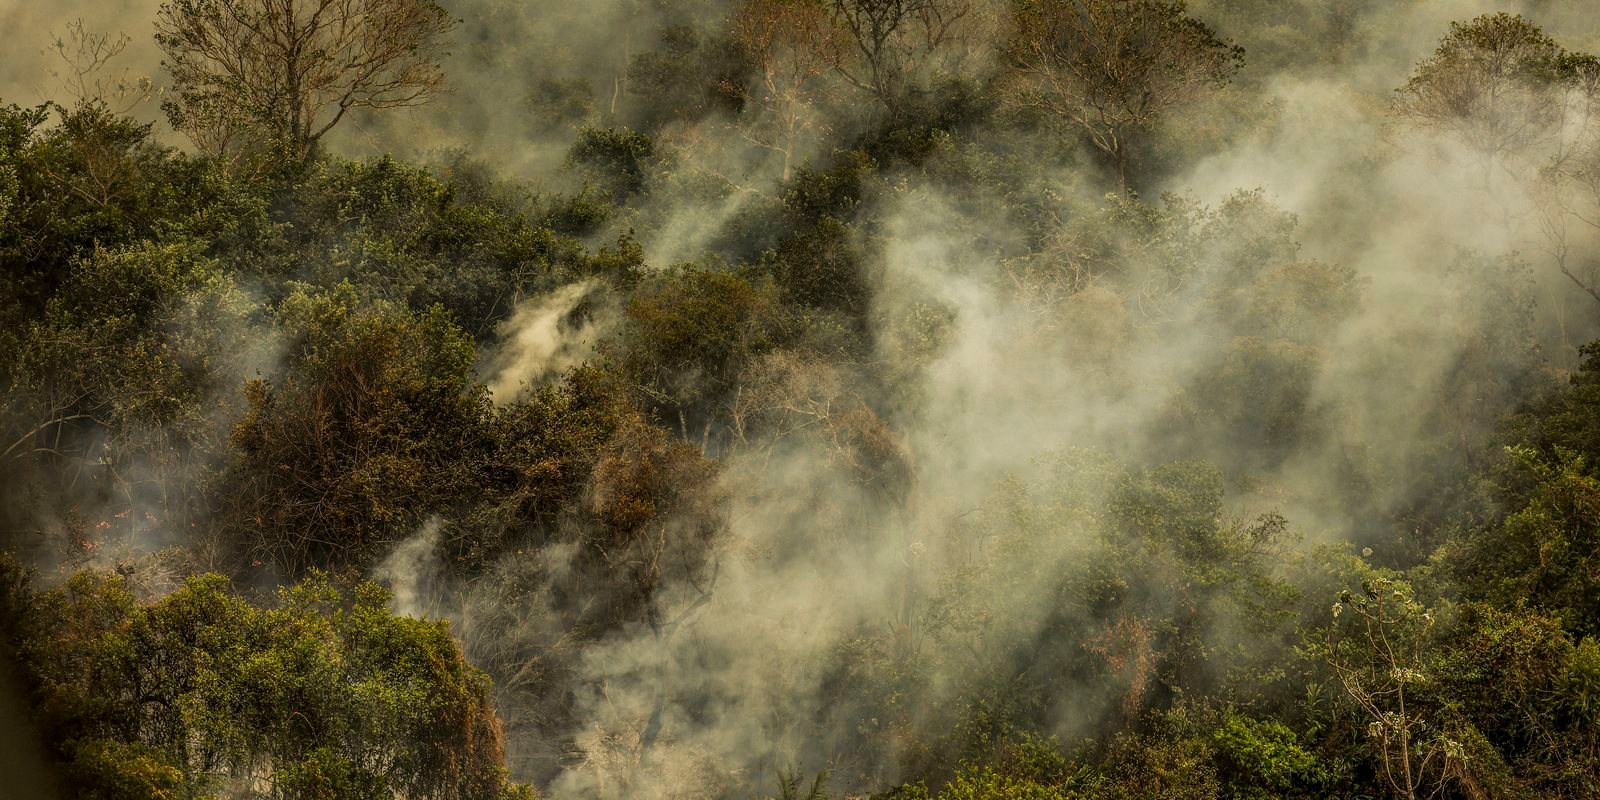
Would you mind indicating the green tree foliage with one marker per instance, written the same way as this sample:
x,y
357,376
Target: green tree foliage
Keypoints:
x,y
94,178
1108,68
131,365
1266,758
690,329
416,238
1380,660
1490,83
367,430
614,158
1564,419
1540,550
322,693
137,338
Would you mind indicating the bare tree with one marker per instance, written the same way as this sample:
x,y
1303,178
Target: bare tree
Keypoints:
x,y
102,143
793,45
1380,661
1110,68
890,42
292,69
784,396
85,55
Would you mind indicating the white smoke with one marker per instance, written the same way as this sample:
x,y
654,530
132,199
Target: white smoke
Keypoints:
x,y
541,340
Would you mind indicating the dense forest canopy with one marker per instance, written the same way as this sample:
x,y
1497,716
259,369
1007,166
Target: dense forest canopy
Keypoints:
x,y
957,399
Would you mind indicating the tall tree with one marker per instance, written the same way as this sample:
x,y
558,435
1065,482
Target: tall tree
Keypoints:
x,y
1490,84
1110,68
295,67
890,41
1526,108
793,45
1380,658
1567,192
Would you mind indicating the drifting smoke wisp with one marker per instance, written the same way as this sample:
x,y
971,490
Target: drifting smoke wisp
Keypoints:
x,y
541,340
411,570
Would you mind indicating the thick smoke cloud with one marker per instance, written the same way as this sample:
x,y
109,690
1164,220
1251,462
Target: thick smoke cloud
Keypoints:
x,y
813,560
